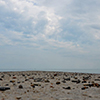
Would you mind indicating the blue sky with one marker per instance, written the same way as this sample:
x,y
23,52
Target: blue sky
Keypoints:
x,y
49,34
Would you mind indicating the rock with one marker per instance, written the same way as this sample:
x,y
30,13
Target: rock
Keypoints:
x,y
0,79
67,88
47,81
18,82
97,79
38,80
51,86
84,88
12,81
33,85
86,78
67,79
57,83
84,81
26,79
55,74
64,81
14,77
6,84
20,87
18,97
76,81
4,88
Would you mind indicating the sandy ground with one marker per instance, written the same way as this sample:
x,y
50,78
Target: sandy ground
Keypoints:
x,y
43,85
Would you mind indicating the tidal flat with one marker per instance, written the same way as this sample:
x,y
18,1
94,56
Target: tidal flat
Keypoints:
x,y
49,85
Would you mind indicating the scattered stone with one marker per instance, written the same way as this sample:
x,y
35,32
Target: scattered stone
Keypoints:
x,y
6,84
18,97
67,88
57,83
84,88
51,87
64,81
84,81
97,79
55,74
67,79
12,81
47,81
86,78
4,88
20,87
14,77
38,80
76,81
0,79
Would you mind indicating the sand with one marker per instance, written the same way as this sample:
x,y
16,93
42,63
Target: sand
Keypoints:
x,y
43,85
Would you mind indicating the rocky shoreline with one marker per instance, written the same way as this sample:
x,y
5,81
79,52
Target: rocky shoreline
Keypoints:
x,y
47,85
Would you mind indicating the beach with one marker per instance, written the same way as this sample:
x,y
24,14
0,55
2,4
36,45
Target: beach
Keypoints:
x,y
49,85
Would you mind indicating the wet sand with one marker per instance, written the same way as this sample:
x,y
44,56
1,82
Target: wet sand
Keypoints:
x,y
45,85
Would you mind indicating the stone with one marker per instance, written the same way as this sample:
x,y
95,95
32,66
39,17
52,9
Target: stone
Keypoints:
x,y
20,87
14,77
0,79
86,78
12,81
68,88
64,81
57,83
83,88
84,81
18,97
67,79
4,88
55,74
38,80
47,81
76,81
97,79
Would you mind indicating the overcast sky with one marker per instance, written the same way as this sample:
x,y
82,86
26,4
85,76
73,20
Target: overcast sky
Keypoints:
x,y
49,34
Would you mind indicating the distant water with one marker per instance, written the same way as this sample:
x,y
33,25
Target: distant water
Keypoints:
x,y
62,70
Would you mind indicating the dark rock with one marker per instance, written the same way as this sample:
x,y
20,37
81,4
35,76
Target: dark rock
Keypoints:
x,y
12,81
57,83
38,80
47,81
76,81
20,87
26,79
18,82
6,84
55,74
84,81
4,88
86,78
64,81
83,88
67,88
2,76
23,75
97,79
67,79
0,79
33,85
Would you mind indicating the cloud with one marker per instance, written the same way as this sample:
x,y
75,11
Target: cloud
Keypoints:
x,y
62,26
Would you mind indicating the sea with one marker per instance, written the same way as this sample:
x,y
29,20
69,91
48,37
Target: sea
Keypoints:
x,y
96,71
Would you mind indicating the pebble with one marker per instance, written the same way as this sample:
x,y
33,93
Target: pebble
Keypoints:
x,y
57,83
67,88
4,88
20,87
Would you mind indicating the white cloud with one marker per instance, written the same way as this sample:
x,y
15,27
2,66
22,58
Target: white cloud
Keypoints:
x,y
71,25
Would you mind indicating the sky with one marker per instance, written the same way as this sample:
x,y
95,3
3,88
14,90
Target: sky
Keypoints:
x,y
49,34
